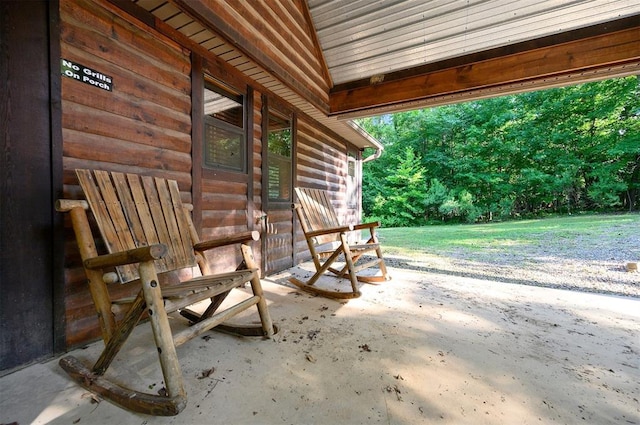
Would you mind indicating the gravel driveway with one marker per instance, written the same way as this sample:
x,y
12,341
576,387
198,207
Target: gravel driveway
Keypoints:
x,y
591,263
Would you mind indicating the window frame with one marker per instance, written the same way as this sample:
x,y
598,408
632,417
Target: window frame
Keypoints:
x,y
271,156
222,171
270,105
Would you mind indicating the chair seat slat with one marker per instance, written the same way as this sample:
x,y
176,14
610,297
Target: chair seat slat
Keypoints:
x,y
174,241
157,216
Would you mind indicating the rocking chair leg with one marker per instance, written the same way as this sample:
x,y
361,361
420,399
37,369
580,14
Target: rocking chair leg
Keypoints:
x,y
267,327
238,330
324,267
256,287
133,400
347,256
161,331
383,266
120,335
215,303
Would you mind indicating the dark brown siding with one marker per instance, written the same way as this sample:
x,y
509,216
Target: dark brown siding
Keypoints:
x,y
26,214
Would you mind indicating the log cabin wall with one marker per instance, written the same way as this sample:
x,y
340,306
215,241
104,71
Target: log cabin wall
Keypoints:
x,y
142,125
322,164
150,122
228,201
277,33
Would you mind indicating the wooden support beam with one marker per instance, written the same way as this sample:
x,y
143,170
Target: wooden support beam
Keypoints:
x,y
583,55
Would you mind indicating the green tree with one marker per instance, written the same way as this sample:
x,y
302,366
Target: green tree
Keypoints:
x,y
561,150
402,199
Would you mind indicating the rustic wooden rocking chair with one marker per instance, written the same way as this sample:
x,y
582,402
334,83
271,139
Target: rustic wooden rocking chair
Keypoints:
x,y
147,230
321,228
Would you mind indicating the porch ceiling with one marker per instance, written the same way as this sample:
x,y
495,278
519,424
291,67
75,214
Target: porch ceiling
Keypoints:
x,y
362,39
392,55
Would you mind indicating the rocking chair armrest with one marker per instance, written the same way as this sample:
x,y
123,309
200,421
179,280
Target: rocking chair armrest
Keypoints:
x,y
228,240
368,225
341,229
66,205
136,255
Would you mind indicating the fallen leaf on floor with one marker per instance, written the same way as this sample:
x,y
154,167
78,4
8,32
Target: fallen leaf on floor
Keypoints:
x,y
206,373
395,390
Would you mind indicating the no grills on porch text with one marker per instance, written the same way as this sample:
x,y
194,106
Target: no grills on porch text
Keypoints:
x,y
86,75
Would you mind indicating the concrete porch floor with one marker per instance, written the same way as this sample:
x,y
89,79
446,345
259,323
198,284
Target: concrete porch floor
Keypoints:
x,y
422,348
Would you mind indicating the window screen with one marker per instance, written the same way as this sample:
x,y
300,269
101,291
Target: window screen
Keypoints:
x,y
224,134
279,144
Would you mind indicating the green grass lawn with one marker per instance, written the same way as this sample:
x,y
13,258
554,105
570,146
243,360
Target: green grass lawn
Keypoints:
x,y
440,239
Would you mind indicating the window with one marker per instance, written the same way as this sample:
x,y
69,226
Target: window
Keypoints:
x,y
279,146
224,133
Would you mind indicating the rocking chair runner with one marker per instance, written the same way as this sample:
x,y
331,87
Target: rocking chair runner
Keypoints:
x,y
321,226
147,230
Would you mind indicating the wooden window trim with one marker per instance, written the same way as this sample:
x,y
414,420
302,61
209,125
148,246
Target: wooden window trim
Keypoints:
x,y
227,90
270,104
219,174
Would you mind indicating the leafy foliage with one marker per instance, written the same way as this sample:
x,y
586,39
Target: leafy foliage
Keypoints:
x,y
403,203
562,150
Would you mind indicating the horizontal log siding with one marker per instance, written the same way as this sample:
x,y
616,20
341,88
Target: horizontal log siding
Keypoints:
x,y
224,212
295,46
322,164
275,31
143,125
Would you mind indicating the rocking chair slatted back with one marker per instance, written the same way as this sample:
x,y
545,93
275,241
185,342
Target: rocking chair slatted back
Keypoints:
x,y
134,211
319,213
